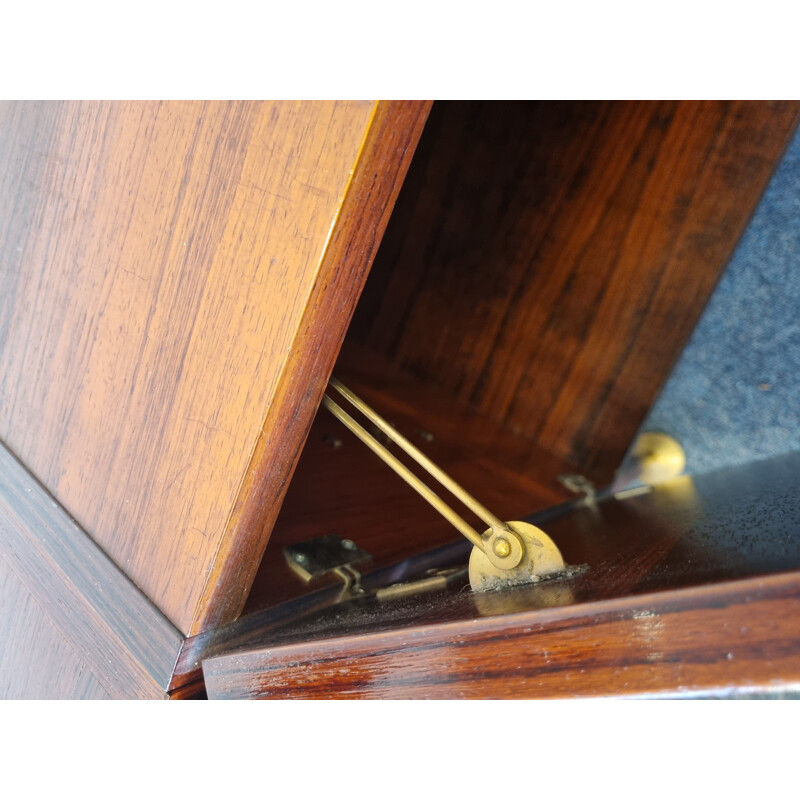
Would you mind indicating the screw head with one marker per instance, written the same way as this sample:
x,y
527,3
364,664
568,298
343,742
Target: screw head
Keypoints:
x,y
502,548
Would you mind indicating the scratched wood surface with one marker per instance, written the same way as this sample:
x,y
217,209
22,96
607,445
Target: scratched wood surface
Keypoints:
x,y
36,661
166,269
741,636
547,261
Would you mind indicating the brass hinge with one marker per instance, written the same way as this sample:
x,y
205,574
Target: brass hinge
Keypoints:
x,y
332,555
506,554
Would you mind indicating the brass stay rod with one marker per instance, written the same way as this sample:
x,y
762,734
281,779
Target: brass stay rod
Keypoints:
x,y
420,458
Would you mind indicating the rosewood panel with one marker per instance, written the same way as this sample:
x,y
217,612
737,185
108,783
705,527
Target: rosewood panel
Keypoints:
x,y
176,278
547,262
348,254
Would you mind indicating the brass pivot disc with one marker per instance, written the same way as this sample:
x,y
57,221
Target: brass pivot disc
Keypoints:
x,y
539,557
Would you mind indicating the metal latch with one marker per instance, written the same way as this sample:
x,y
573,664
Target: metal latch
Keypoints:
x,y
325,555
332,555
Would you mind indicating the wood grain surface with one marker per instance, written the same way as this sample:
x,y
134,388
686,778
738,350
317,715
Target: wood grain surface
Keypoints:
x,y
547,262
174,275
36,661
348,255
713,640
120,636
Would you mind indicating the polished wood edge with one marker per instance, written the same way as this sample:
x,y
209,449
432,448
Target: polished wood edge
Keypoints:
x,y
128,644
195,690
377,178
736,634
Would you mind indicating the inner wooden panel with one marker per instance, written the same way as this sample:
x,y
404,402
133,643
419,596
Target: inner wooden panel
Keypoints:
x,y
546,262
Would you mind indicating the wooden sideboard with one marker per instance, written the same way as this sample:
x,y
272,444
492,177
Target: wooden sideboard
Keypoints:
x,y
178,280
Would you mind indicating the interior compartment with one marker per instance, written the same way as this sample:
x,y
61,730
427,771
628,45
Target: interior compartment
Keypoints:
x,y
543,267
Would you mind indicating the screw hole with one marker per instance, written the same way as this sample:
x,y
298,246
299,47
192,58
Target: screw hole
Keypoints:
x,y
332,441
